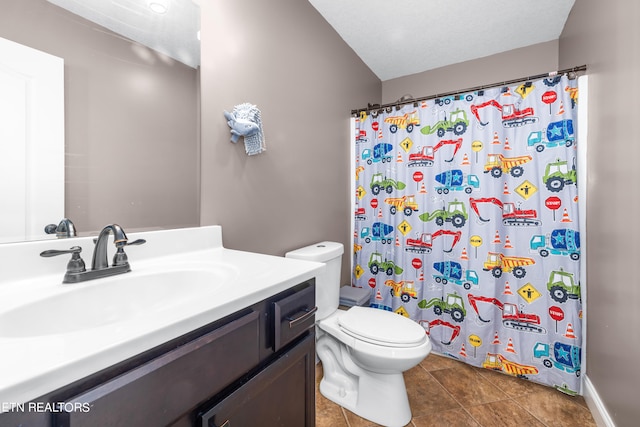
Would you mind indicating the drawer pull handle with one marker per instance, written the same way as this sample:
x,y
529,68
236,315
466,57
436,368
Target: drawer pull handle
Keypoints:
x,y
307,313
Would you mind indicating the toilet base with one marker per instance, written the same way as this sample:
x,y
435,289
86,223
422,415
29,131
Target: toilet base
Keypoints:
x,y
381,398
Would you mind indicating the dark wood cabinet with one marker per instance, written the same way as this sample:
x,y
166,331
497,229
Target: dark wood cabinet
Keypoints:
x,y
255,367
279,395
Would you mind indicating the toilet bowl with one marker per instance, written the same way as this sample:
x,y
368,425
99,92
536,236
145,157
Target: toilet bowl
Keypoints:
x,y
363,350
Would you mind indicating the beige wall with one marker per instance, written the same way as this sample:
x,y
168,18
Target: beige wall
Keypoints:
x,y
283,57
606,37
131,122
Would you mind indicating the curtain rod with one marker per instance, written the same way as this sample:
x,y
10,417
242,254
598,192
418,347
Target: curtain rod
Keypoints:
x,y
404,100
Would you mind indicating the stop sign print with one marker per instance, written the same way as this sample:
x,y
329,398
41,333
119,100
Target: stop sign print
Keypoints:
x,y
553,203
556,314
549,97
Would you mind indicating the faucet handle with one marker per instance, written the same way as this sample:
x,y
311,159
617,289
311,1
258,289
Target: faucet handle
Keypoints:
x,y
76,263
136,242
65,228
120,257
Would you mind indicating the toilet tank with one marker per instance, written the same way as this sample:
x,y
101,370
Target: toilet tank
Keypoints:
x,y
327,281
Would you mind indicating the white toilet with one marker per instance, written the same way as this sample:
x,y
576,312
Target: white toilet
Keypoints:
x,y
363,350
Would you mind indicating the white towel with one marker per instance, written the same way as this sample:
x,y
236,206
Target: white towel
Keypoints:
x,y
350,296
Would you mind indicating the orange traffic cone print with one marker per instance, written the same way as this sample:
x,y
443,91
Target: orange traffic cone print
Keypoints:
x,y
423,189
397,241
496,339
465,160
496,140
380,213
463,352
507,289
507,243
506,144
378,295
423,104
510,348
464,255
565,216
569,333
421,278
561,109
506,189
399,159
496,239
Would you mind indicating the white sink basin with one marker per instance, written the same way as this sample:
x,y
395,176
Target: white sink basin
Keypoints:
x,y
111,300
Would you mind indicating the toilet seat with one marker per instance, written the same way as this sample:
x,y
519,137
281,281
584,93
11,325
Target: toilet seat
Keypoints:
x,y
381,328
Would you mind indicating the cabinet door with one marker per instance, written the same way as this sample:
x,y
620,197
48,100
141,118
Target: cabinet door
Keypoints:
x,y
281,395
158,392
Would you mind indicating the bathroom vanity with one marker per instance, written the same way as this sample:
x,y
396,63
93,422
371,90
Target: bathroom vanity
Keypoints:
x,y
242,353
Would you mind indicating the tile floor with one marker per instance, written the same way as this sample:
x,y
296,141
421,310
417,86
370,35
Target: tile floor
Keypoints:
x,y
444,392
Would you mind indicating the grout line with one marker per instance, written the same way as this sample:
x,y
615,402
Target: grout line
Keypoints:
x,y
453,397
344,415
497,385
528,412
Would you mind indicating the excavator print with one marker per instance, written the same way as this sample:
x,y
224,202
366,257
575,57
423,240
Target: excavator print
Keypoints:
x,y
511,214
511,115
511,316
425,156
424,243
455,329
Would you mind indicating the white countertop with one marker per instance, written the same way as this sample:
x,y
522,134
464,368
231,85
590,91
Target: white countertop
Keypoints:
x,y
31,366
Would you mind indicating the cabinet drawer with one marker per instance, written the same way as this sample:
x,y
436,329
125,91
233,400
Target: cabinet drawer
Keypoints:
x,y
164,388
293,315
281,395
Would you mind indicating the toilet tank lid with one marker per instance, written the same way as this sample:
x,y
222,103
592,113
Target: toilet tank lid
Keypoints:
x,y
319,252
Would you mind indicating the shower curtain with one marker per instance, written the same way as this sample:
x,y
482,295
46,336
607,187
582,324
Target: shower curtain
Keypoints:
x,y
466,221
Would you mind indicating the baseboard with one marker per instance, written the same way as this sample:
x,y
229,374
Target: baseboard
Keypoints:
x,y
598,411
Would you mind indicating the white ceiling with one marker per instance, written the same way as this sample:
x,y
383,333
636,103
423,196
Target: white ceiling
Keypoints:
x,y
174,33
403,37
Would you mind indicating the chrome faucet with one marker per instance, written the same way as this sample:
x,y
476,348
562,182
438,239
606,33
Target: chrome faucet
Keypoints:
x,y
65,228
76,271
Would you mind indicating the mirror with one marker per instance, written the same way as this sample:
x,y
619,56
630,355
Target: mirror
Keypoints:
x,y
131,113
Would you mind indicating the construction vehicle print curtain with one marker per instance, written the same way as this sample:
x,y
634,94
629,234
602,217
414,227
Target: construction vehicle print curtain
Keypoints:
x,y
466,221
